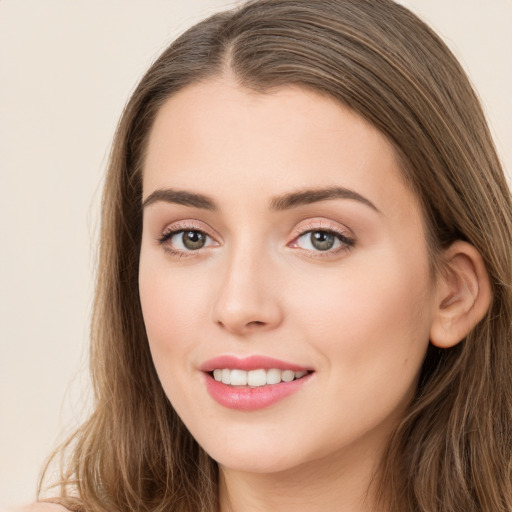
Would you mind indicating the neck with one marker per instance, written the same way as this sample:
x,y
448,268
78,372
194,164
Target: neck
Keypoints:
x,y
345,484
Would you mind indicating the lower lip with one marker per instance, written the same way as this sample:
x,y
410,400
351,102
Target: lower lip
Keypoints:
x,y
251,399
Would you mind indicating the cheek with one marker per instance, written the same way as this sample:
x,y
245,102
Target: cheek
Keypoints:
x,y
372,332
171,306
373,320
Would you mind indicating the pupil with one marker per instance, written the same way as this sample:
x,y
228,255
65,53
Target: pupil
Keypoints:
x,y
322,240
193,239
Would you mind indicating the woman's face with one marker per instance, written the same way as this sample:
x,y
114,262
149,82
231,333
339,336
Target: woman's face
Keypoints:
x,y
280,242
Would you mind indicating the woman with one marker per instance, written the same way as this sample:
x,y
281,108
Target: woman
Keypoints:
x,y
304,288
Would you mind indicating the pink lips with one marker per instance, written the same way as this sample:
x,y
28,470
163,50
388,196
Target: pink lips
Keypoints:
x,y
249,363
247,398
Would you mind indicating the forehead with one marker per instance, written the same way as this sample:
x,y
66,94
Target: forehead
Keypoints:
x,y
216,133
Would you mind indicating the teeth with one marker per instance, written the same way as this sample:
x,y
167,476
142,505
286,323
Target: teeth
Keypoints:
x,y
226,377
274,376
288,376
238,378
255,378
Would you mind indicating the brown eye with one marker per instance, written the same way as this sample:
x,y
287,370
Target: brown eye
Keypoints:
x,y
193,240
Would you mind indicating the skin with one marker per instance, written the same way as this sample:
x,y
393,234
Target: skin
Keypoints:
x,y
358,315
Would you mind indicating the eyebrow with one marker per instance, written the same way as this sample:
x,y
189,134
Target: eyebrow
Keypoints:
x,y
303,197
282,202
183,197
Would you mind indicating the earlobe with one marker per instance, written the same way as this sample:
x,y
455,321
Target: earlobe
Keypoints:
x,y
463,295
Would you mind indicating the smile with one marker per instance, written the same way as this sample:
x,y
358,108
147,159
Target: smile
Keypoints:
x,y
252,383
256,378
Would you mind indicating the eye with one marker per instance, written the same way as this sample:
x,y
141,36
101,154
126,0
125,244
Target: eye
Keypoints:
x,y
323,240
185,240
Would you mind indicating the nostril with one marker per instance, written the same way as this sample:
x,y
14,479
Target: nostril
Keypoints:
x,y
256,322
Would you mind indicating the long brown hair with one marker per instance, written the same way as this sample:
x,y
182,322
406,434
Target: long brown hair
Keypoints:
x,y
453,450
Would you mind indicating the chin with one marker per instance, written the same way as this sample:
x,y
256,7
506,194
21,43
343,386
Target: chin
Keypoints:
x,y
256,463
255,457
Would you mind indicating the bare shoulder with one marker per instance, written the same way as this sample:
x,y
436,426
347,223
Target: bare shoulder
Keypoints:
x,y
38,507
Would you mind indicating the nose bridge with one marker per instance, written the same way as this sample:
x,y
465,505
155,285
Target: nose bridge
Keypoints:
x,y
247,292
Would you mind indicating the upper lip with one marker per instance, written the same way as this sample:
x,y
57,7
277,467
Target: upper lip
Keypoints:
x,y
249,363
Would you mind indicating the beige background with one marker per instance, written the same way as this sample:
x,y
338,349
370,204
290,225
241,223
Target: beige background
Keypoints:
x,y
66,70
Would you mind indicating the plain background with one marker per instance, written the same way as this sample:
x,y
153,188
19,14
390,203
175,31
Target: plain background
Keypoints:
x,y
66,70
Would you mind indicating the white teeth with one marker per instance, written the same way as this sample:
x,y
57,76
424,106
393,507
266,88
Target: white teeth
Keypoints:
x,y
226,376
255,378
238,378
273,376
288,376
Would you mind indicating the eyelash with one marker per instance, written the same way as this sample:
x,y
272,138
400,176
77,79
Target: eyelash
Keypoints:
x,y
347,242
174,230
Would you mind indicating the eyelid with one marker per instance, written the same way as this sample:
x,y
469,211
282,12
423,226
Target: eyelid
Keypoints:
x,y
322,225
188,225
343,234
173,229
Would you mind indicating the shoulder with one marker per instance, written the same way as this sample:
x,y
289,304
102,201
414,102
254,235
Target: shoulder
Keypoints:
x,y
37,507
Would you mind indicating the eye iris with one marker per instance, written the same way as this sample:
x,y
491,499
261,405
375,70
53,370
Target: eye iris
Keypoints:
x,y
193,239
322,240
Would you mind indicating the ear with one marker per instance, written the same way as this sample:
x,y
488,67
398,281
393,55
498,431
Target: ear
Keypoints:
x,y
463,295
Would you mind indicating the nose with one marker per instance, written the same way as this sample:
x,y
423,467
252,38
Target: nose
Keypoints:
x,y
248,296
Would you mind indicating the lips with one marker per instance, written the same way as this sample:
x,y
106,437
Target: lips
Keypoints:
x,y
249,363
254,382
